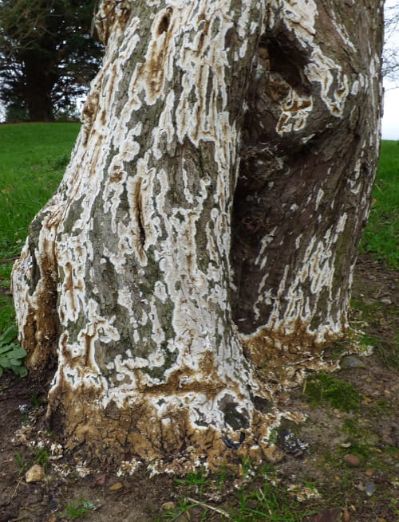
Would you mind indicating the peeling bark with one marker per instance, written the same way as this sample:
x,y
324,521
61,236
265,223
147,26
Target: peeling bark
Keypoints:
x,y
198,253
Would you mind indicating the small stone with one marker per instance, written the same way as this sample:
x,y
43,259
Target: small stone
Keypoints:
x,y
100,480
273,454
352,460
370,488
386,300
116,486
35,474
351,361
370,472
184,517
168,506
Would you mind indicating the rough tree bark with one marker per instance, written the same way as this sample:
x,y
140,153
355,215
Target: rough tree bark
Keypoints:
x,y
198,254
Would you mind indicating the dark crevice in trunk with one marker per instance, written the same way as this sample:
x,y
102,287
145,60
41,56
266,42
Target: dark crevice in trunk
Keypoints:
x,y
139,212
286,59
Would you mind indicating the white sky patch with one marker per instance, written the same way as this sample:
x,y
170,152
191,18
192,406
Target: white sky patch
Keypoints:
x,y
390,121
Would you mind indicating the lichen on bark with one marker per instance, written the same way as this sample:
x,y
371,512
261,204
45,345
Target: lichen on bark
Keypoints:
x,y
198,253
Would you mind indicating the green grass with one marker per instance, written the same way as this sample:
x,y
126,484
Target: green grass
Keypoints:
x,y
260,500
268,503
196,479
32,160
78,509
323,388
40,456
11,354
381,236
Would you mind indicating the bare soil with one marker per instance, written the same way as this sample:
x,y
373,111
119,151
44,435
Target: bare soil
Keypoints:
x,y
359,489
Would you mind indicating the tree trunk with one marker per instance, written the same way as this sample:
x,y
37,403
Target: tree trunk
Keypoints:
x,y
39,82
40,106
198,254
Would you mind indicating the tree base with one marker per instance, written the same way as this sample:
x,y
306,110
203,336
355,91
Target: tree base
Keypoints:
x,y
171,444
165,437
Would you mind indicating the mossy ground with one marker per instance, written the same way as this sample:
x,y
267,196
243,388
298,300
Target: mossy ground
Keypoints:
x,y
351,412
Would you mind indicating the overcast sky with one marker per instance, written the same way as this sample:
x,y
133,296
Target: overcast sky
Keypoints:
x,y
390,121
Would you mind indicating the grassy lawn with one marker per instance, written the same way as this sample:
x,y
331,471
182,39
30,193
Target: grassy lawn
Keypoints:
x,y
32,160
381,236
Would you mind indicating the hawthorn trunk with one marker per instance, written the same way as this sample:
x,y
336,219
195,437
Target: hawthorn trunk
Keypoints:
x,y
198,254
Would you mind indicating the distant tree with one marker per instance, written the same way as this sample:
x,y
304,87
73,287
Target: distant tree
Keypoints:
x,y
47,56
390,67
